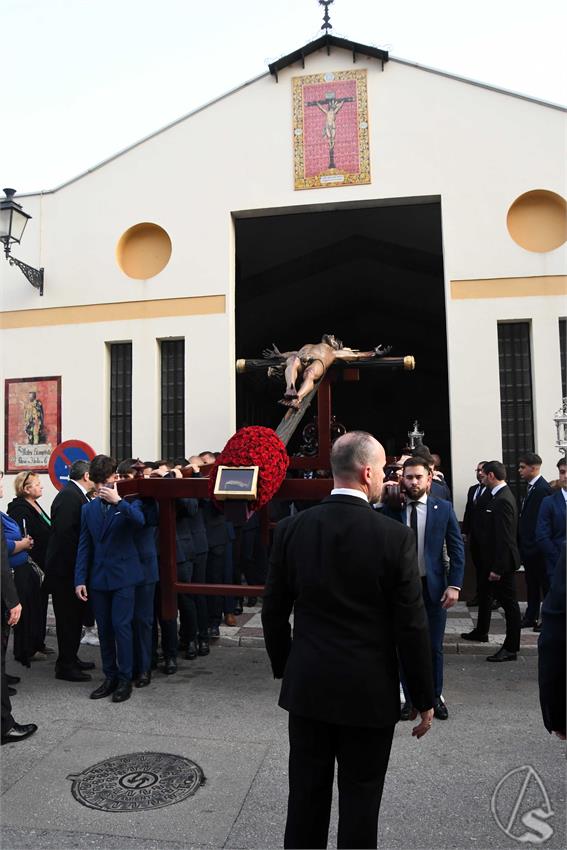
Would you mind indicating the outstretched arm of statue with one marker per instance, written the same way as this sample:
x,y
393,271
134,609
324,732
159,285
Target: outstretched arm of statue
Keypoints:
x,y
355,354
274,352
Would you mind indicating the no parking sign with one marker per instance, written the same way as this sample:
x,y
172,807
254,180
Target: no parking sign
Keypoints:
x,y
63,456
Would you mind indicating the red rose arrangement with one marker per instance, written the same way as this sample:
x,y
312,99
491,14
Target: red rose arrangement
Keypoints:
x,y
255,446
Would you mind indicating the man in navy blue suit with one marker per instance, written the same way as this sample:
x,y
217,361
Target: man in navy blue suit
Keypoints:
x,y
108,560
441,561
551,521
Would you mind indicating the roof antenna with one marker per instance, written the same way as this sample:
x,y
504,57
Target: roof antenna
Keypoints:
x,y
326,20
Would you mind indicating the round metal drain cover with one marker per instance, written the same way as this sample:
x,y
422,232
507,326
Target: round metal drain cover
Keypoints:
x,y
137,781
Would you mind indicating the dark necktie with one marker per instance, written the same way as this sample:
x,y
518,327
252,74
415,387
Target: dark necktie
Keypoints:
x,y
527,496
413,519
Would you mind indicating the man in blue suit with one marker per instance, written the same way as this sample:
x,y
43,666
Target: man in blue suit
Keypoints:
x,y
441,561
551,521
108,561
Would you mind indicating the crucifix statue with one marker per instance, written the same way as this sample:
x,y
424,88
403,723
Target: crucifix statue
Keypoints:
x,y
310,363
330,107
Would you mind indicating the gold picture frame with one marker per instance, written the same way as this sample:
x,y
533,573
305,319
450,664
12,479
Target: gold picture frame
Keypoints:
x,y
236,482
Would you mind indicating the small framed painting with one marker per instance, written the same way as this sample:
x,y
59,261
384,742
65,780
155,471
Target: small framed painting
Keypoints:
x,y
236,482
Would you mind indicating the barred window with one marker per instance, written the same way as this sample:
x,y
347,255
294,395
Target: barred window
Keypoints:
x,y
172,398
121,400
516,401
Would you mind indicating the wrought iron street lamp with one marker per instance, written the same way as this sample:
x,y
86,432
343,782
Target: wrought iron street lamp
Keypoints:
x,y
13,222
560,420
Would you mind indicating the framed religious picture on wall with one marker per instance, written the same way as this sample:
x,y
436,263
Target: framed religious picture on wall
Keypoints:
x,y
330,130
32,422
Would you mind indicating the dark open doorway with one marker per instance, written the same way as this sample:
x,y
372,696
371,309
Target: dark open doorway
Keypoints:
x,y
371,274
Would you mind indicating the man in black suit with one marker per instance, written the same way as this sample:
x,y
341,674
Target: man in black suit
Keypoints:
x,y
500,559
533,559
351,577
477,496
60,570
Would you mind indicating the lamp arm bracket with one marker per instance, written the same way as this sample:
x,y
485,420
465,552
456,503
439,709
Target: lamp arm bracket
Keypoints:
x,y
34,276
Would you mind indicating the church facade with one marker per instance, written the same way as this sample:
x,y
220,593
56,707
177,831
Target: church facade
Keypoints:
x,y
139,314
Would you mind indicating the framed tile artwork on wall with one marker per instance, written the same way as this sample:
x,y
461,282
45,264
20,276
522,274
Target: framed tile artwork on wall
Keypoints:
x,y
32,422
330,130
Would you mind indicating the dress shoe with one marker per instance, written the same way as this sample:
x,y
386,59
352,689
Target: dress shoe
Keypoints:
x,y
502,655
170,666
230,620
252,601
474,635
214,633
406,711
191,652
494,605
527,624
11,691
238,609
73,675
537,627
108,687
12,680
440,710
204,648
123,691
19,732
84,665
46,650
144,679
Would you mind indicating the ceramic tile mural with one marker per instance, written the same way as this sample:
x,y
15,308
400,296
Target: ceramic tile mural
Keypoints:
x,y
330,127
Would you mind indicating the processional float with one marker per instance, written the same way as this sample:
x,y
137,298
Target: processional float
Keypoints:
x,y
309,372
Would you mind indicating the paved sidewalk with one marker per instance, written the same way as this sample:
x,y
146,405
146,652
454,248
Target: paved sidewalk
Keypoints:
x,y
460,618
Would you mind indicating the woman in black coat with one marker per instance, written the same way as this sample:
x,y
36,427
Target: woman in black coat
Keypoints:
x,y
35,522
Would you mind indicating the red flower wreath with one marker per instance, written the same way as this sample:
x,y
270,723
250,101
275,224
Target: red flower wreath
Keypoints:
x,y
255,446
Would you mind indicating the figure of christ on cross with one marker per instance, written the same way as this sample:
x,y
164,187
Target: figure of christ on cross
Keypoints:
x,y
310,364
333,107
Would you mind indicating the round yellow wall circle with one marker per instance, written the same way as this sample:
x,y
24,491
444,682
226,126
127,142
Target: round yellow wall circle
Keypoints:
x,y
537,220
143,250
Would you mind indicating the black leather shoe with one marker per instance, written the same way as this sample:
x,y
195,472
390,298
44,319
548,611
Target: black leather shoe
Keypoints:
x,y
440,710
406,711
502,655
527,624
214,633
46,650
251,601
19,732
204,647
11,691
238,609
84,665
123,691
170,666
191,653
12,680
75,675
108,687
474,636
537,627
144,679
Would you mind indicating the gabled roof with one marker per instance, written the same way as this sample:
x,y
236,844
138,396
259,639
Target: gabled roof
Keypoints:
x,y
327,41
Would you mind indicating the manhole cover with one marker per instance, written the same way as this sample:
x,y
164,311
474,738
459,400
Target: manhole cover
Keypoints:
x,y
137,781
